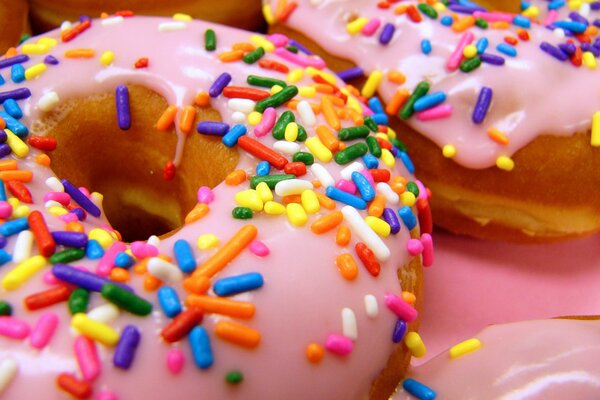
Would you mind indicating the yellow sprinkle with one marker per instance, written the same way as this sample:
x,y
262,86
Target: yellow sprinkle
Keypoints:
x,y
296,214
291,132
352,102
310,201
264,192
356,26
378,225
97,198
254,118
268,14
20,212
57,211
531,12
260,41
295,75
107,58
408,198
382,136
35,49
391,134
574,4
439,7
14,202
16,144
274,208
330,78
249,198
207,241
95,330
276,89
596,129
47,41
372,84
35,70
23,272
463,348
449,150
470,51
101,236
318,149
307,91
182,17
388,158
589,60
505,163
415,344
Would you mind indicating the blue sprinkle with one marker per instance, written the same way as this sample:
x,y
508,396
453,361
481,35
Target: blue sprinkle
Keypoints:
x,y
169,301
213,128
507,49
380,118
425,46
387,33
408,217
14,125
125,349
4,257
201,349
2,191
13,227
399,331
238,284
350,74
429,100
237,131
93,250
522,21
408,164
184,255
339,195
12,108
370,161
418,390
17,73
263,168
525,5
124,260
219,84
468,3
556,4
366,190
446,20
482,45
2,81
390,217
572,26
376,106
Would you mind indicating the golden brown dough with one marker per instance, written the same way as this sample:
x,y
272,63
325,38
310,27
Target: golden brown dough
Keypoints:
x,y
13,24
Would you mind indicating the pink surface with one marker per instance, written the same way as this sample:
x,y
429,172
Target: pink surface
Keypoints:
x,y
474,283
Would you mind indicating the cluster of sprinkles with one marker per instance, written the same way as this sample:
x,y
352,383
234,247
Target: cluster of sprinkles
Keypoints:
x,y
577,43
355,137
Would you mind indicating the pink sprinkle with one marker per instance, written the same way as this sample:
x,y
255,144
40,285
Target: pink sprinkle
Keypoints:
x,y
205,195
494,16
278,39
107,262
551,17
457,55
414,247
422,190
43,330
367,174
87,358
69,217
267,122
50,279
371,26
5,209
437,112
106,395
14,328
85,191
427,242
60,197
338,344
346,185
300,59
259,248
175,360
141,250
401,308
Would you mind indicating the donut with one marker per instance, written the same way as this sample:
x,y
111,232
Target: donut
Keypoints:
x,y
14,22
235,254
49,14
530,360
516,162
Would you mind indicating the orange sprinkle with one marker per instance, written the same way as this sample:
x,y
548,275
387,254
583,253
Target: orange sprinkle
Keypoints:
x,y
329,113
356,117
292,198
341,146
343,236
327,138
397,101
43,160
74,226
316,183
314,352
336,101
18,175
396,77
103,15
2,123
281,5
166,119
243,46
8,165
220,305
188,117
231,56
196,284
409,297
11,52
199,211
228,252
151,283
500,25
237,333
323,88
119,275
325,201
463,24
141,267
202,99
347,266
591,30
401,9
497,136
398,187
80,53
377,205
352,90
235,177
327,222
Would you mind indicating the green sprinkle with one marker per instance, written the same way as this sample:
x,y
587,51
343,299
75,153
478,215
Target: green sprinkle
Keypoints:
x,y
284,119
413,188
67,256
470,64
254,56
301,134
398,143
234,377
79,301
428,10
24,37
482,23
277,99
210,40
270,180
372,125
292,49
374,147
125,299
264,81
351,153
407,109
303,157
242,213
5,308
355,132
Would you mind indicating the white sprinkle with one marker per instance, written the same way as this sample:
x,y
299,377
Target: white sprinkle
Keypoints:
x,y
349,328
306,113
371,306
365,233
153,241
244,105
346,173
54,184
164,270
8,371
48,101
387,192
238,117
52,203
292,186
585,10
322,175
112,20
559,33
286,147
65,26
106,313
23,246
171,26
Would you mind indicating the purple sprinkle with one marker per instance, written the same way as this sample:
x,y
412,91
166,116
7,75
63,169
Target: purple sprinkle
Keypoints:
x,y
8,62
491,59
17,94
554,51
483,104
70,239
464,9
123,112
350,74
212,128
50,60
568,48
83,18
597,22
394,151
79,213
575,16
399,331
4,150
81,278
390,217
219,84
595,5
81,198
300,47
3,242
3,136
590,48
125,350
387,33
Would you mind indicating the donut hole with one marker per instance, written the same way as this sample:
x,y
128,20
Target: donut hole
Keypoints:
x,y
126,167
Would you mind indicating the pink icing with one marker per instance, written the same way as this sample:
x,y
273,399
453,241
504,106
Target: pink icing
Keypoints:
x,y
303,295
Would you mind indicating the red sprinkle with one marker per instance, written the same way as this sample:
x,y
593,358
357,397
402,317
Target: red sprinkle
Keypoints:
x,y
42,235
368,258
425,219
287,10
295,168
141,63
263,152
413,14
511,40
73,386
125,13
384,143
20,191
523,34
181,325
169,171
244,92
380,175
583,38
383,5
44,143
274,65
577,57
54,295
72,33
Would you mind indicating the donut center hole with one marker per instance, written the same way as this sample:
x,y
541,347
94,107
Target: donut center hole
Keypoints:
x,y
126,167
